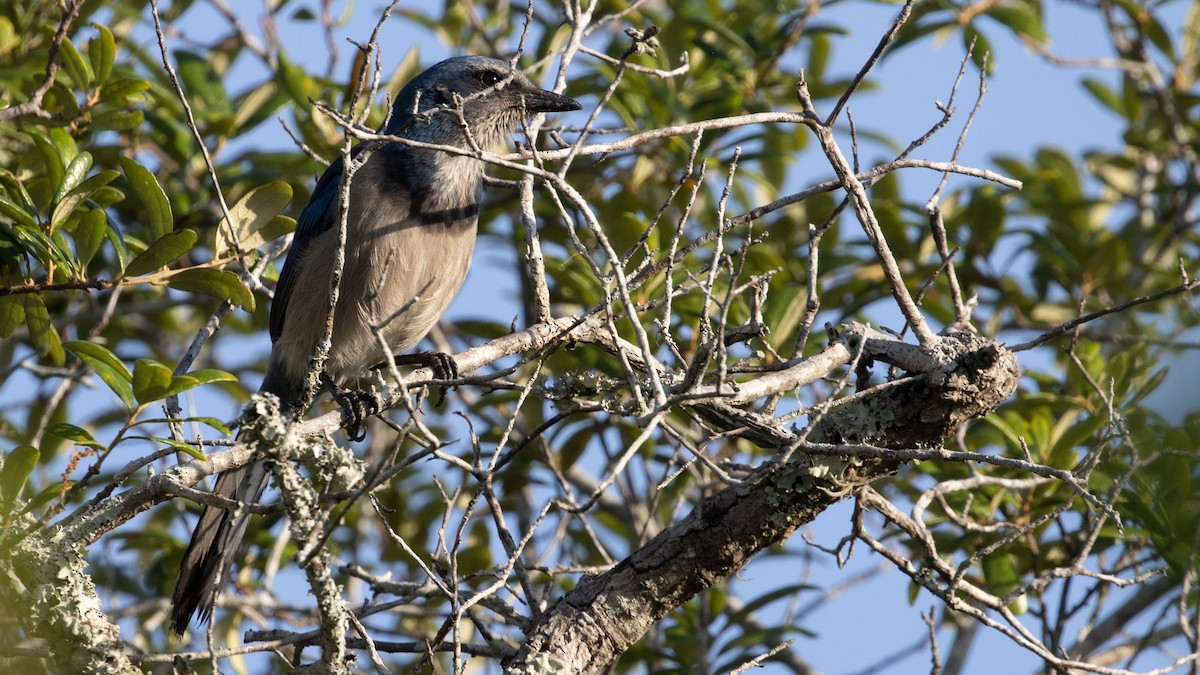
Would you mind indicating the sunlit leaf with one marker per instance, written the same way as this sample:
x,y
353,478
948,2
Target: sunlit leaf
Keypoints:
x,y
74,175
80,71
18,464
186,448
251,214
168,247
102,52
108,367
213,422
145,186
18,215
151,380
81,193
181,383
221,284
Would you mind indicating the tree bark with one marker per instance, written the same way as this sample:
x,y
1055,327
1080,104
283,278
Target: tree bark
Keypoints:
x,y
591,626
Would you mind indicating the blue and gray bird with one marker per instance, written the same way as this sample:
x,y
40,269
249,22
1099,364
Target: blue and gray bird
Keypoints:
x,y
411,225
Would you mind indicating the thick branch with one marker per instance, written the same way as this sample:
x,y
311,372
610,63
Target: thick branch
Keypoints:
x,y
598,621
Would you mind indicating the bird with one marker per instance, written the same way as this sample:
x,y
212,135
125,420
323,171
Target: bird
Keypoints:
x,y
412,216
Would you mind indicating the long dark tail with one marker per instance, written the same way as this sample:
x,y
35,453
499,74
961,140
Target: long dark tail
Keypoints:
x,y
218,535
215,541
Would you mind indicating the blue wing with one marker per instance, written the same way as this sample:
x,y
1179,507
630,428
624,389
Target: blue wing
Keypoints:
x,y
316,218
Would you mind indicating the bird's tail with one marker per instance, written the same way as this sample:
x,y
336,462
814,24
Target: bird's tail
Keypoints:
x,y
215,541
218,534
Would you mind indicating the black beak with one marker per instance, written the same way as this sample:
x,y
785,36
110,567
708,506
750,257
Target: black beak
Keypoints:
x,y
542,101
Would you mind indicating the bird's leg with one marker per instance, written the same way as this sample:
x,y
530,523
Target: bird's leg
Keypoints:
x,y
357,405
441,363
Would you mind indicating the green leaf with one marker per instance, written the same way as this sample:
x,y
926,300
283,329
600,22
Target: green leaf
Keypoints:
x,y
18,464
1104,94
213,422
278,227
168,247
76,170
8,35
221,284
1002,577
1189,63
1152,28
102,52
257,105
89,234
63,257
78,435
151,195
117,120
151,380
186,448
47,494
178,445
80,71
52,159
124,90
80,194
203,85
17,192
1023,20
251,214
12,314
19,216
181,383
108,367
45,338
298,84
64,142
114,237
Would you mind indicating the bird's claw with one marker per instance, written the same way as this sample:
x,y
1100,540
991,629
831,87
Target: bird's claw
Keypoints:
x,y
442,364
444,367
357,406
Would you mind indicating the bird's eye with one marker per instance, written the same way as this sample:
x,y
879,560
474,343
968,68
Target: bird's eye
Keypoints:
x,y
491,77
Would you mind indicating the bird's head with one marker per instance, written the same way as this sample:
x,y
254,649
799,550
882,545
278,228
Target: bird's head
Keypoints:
x,y
492,97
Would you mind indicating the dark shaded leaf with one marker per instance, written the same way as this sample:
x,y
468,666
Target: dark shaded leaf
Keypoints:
x,y
77,435
89,235
41,331
12,313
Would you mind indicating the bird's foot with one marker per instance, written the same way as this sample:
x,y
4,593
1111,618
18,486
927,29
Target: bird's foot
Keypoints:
x,y
442,364
357,406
